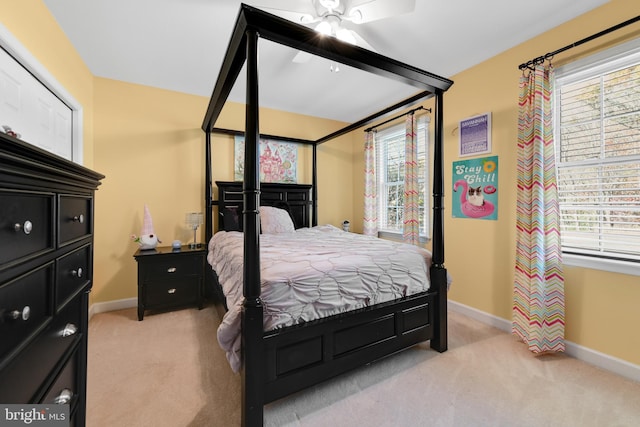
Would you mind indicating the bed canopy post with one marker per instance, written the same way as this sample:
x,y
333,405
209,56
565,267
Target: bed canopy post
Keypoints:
x,y
208,190
314,187
438,273
252,316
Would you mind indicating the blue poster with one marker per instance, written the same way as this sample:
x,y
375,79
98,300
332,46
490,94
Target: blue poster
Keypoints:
x,y
475,188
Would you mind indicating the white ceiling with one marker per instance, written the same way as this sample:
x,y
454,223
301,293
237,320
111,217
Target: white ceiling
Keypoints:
x,y
180,44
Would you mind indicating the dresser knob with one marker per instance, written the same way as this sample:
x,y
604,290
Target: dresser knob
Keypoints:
x,y
77,273
64,397
171,291
79,218
69,329
26,227
171,270
17,314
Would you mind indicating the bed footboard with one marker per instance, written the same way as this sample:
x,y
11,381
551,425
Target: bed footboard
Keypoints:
x,y
299,357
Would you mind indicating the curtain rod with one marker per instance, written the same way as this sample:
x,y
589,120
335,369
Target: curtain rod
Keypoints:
x,y
541,59
397,117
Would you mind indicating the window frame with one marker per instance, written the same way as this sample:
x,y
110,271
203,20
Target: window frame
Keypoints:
x,y
622,55
425,228
21,54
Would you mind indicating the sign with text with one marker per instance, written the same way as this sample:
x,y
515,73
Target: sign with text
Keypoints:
x,y
475,188
35,415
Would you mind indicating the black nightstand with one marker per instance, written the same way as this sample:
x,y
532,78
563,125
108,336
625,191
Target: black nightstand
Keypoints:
x,y
170,278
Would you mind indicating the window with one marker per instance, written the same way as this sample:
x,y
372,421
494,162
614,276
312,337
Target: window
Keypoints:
x,y
597,134
390,164
35,104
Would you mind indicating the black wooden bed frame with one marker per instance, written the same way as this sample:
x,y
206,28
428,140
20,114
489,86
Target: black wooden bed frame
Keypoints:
x,y
281,362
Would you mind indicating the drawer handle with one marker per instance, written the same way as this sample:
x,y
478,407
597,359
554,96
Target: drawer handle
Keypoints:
x,y
17,314
77,273
64,397
171,291
79,218
171,270
26,227
69,330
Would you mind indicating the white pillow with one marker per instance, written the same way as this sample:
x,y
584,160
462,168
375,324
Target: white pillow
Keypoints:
x,y
275,220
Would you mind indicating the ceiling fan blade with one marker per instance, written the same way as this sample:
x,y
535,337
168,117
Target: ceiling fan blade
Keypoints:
x,y
362,42
302,57
289,15
302,15
363,11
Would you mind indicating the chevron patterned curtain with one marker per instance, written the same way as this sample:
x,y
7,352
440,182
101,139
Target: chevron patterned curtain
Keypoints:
x,y
370,185
538,309
411,219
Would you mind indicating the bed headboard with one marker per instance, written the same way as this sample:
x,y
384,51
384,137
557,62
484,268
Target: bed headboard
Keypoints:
x,y
295,197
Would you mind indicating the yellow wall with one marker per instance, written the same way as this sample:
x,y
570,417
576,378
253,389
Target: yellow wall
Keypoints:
x,y
149,145
601,307
33,25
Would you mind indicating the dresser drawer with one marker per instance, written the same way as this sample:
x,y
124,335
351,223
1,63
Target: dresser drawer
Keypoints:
x,y
169,267
74,219
72,273
172,293
65,388
25,306
26,225
22,378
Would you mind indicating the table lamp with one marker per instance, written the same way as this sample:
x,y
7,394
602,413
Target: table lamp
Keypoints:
x,y
193,220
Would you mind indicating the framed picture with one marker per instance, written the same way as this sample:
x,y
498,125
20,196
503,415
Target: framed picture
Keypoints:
x,y
278,161
475,135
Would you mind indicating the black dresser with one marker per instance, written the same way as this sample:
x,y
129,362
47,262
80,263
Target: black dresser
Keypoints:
x,y
46,267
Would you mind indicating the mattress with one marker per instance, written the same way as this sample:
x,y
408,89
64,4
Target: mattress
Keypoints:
x,y
313,273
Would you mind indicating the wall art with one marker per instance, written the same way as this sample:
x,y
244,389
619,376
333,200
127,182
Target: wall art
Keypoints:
x,y
475,188
278,161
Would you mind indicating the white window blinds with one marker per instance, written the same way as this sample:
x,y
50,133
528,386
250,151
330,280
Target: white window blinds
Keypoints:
x,y
598,158
390,146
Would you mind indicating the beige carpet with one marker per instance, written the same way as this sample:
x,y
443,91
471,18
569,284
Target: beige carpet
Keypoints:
x,y
169,371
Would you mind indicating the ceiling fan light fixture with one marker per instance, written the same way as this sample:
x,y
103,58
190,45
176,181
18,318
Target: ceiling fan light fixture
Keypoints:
x,y
346,36
324,28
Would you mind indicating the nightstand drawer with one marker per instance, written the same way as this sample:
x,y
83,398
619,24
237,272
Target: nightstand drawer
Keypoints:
x,y
169,267
25,306
172,292
26,225
74,220
72,274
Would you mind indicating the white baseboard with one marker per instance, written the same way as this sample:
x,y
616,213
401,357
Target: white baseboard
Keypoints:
x,y
593,357
121,304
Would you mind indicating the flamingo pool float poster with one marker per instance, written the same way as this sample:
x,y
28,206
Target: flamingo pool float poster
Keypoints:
x,y
475,188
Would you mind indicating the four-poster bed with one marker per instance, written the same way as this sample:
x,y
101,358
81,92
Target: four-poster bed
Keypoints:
x,y
278,362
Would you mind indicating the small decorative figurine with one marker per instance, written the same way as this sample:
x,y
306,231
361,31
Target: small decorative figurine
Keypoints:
x,y
345,226
147,239
10,132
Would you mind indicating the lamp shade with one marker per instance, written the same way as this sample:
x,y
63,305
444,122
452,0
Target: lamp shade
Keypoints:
x,y
193,219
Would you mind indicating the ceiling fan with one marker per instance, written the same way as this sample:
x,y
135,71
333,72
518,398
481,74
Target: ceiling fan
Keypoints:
x,y
333,17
